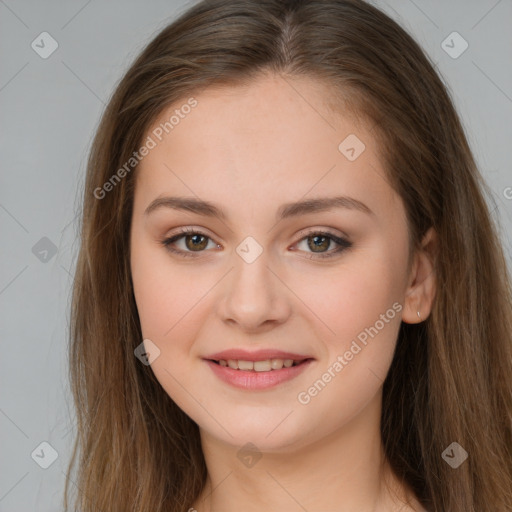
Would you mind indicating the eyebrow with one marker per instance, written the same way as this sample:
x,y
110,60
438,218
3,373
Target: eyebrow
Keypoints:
x,y
207,209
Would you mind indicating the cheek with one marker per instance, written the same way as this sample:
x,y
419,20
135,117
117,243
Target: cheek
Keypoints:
x,y
358,313
358,356
352,296
171,307
165,293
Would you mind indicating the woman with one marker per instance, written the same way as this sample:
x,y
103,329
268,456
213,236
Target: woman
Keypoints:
x,y
290,294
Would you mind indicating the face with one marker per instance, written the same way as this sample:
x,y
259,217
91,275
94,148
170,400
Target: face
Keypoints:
x,y
322,286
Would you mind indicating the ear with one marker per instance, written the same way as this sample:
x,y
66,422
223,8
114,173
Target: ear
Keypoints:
x,y
421,287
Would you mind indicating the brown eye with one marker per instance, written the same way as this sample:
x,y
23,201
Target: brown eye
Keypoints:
x,y
196,242
319,243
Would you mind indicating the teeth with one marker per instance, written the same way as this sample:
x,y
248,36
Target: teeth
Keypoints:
x,y
276,364
244,365
261,366
258,366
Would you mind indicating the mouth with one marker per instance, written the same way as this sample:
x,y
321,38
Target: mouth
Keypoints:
x,y
264,365
258,374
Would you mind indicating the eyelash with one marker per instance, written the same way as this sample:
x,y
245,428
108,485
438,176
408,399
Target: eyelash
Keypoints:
x,y
342,243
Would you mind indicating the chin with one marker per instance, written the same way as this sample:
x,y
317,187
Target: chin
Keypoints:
x,y
271,434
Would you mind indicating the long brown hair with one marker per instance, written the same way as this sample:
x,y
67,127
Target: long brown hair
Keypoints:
x,y
451,377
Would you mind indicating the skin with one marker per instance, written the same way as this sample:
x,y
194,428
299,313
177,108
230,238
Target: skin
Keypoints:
x,y
249,150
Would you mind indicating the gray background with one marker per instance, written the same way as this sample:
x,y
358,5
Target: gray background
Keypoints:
x,y
49,109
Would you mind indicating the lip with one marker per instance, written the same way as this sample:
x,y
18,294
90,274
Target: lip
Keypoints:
x,y
253,381
256,355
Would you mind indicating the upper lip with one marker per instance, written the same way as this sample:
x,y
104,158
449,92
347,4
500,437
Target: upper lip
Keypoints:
x,y
256,355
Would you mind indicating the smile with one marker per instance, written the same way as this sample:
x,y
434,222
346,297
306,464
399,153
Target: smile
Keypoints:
x,y
265,365
257,375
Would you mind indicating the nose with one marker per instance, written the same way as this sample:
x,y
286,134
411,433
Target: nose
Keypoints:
x,y
254,297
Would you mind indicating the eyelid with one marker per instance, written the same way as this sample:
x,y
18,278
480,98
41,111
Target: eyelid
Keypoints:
x,y
325,230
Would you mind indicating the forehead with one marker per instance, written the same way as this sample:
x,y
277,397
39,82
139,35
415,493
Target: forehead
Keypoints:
x,y
274,136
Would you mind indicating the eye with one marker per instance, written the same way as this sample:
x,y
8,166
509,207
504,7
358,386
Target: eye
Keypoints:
x,y
317,241
196,242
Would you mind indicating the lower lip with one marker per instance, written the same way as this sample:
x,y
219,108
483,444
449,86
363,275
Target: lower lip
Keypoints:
x,y
257,380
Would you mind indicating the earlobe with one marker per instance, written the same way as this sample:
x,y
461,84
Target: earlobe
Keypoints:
x,y
421,291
